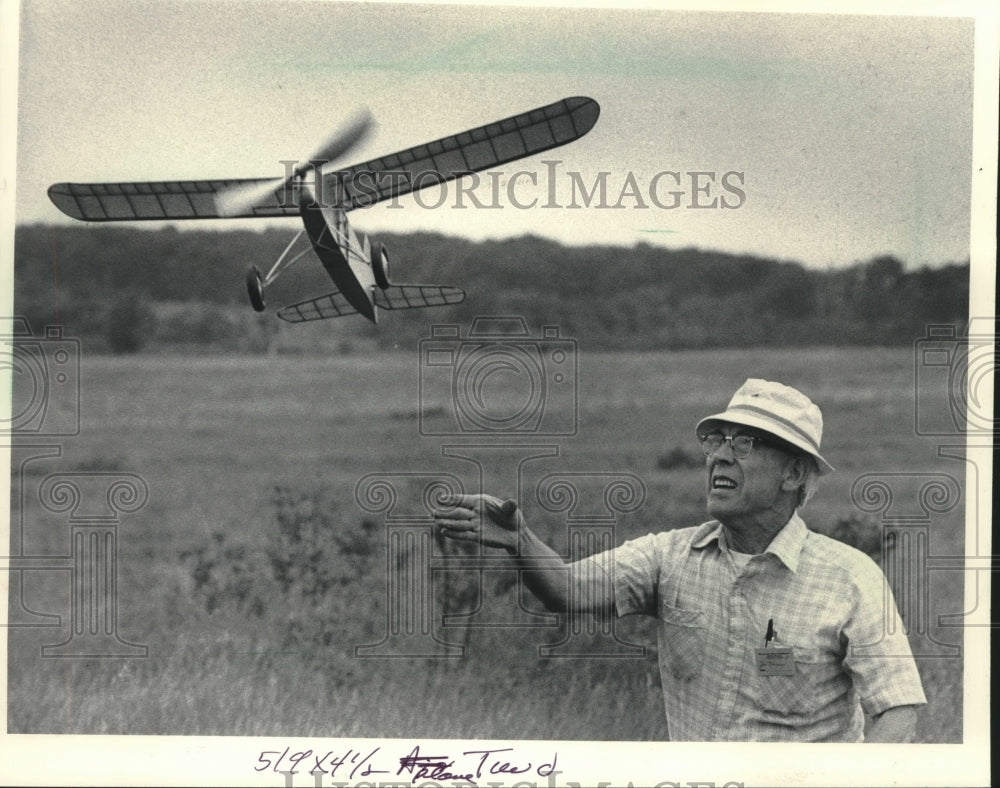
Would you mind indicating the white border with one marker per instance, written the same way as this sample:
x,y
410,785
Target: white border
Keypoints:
x,y
155,760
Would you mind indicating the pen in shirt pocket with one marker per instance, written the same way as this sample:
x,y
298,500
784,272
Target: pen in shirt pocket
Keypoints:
x,y
770,634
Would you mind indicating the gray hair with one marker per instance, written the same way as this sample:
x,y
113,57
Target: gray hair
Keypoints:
x,y
810,484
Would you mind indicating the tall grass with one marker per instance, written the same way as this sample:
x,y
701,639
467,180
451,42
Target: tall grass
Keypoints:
x,y
252,465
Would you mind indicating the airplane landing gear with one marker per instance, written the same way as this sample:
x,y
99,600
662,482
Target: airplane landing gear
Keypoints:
x,y
255,288
380,265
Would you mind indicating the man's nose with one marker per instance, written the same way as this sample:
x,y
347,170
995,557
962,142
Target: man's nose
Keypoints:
x,y
725,452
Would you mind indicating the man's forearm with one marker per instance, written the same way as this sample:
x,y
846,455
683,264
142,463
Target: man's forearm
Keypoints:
x,y
558,585
543,570
895,725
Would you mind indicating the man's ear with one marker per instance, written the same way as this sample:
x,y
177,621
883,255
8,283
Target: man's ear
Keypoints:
x,y
795,473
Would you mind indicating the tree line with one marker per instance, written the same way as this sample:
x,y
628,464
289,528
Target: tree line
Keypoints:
x,y
124,289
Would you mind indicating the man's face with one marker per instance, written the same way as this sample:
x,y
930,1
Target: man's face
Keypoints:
x,y
747,490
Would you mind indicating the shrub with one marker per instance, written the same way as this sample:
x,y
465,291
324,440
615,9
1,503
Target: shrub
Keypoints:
x,y
314,552
130,323
861,532
311,564
223,575
679,457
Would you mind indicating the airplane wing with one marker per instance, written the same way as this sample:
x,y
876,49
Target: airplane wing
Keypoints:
x,y
126,202
364,184
395,297
460,154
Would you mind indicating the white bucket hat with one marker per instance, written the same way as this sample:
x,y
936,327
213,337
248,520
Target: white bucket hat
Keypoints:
x,y
780,410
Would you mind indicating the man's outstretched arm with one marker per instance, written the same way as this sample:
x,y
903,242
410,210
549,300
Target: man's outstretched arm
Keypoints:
x,y
493,522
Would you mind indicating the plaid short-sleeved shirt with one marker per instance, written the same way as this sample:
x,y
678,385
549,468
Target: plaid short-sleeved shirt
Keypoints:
x,y
828,602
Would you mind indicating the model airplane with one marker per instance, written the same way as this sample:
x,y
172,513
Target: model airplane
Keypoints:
x,y
359,268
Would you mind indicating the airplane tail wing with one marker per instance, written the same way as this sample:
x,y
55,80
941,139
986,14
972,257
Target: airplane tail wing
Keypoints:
x,y
417,296
394,297
330,305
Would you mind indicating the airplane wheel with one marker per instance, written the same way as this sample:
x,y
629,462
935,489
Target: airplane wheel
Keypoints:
x,y
255,288
380,265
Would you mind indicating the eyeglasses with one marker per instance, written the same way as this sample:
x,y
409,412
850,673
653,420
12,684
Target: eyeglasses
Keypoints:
x,y
741,445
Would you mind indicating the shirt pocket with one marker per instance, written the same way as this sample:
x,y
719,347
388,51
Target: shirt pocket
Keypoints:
x,y
682,641
801,693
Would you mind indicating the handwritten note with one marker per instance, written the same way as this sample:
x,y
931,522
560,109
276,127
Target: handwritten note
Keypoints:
x,y
467,767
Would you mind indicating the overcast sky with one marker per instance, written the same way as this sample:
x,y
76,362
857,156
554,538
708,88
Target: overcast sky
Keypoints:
x,y
852,136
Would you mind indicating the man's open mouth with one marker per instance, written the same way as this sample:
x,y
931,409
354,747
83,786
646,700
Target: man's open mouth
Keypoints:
x,y
723,483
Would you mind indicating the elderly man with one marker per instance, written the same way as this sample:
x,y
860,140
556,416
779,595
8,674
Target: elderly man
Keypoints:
x,y
767,631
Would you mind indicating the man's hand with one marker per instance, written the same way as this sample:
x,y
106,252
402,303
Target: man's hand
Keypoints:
x,y
496,523
480,518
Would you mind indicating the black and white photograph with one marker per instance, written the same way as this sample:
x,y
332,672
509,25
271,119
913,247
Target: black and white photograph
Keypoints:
x,y
460,394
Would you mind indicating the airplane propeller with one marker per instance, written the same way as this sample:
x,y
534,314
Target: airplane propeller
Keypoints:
x,y
243,199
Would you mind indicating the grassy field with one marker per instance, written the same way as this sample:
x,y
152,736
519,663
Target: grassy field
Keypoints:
x,y
253,460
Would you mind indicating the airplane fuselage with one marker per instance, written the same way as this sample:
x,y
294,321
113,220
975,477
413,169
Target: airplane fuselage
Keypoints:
x,y
346,258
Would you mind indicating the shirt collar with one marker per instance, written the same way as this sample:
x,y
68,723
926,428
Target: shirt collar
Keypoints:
x,y
786,545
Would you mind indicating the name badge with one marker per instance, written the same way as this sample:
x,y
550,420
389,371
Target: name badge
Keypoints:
x,y
775,661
